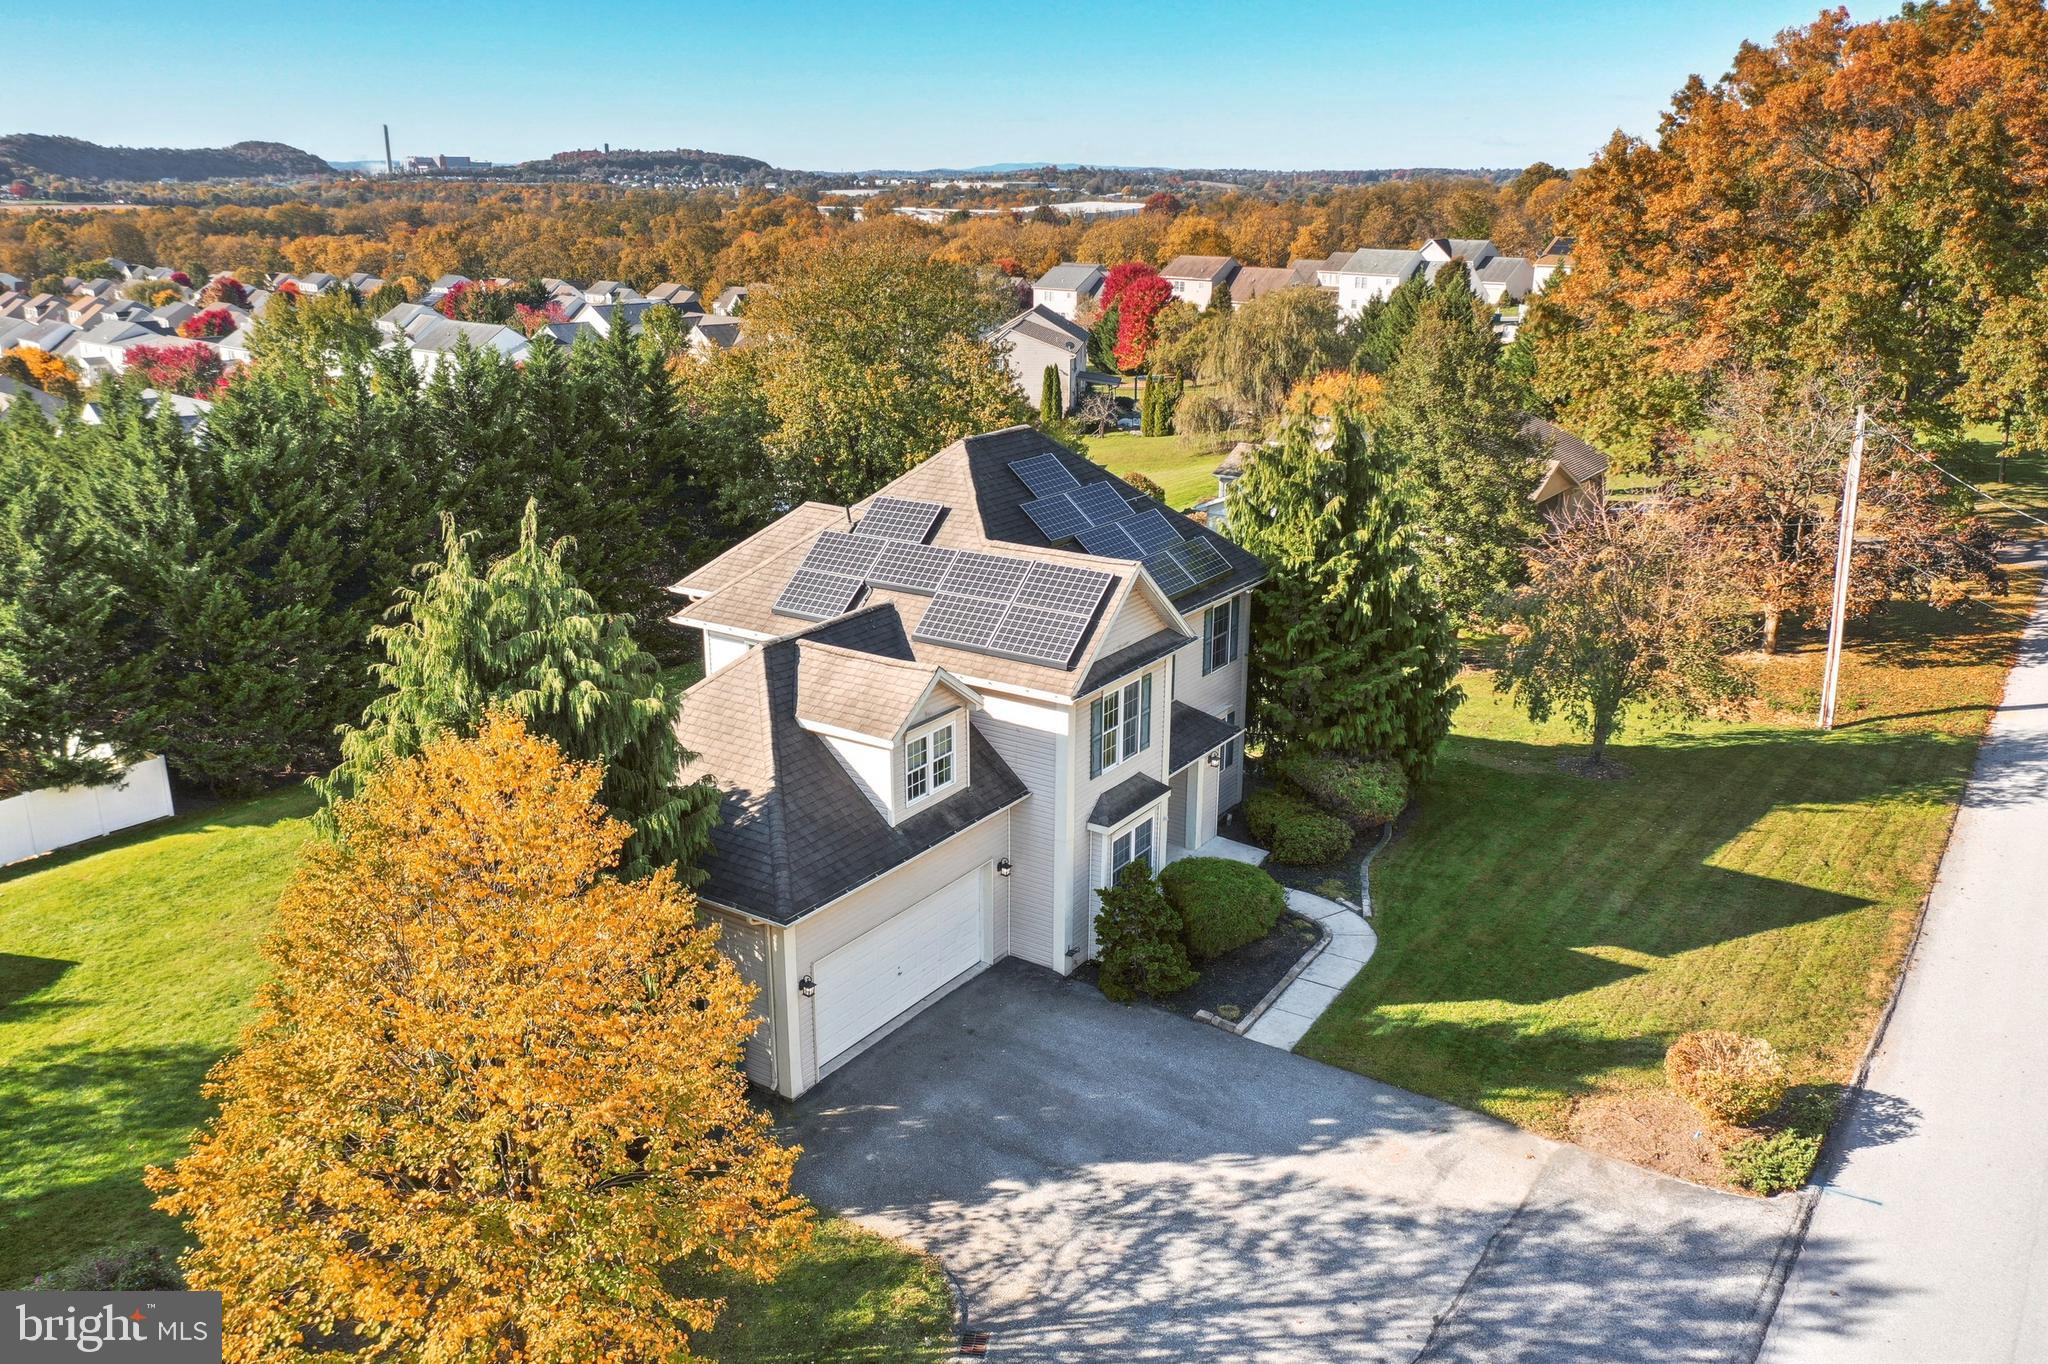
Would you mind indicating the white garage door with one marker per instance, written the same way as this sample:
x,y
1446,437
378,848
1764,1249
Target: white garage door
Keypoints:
x,y
889,968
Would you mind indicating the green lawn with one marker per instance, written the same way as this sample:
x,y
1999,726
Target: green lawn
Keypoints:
x,y
128,971
1543,937
1185,466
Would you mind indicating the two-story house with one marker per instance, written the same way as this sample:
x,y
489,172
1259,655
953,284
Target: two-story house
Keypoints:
x,y
1372,274
1195,279
1067,286
944,718
1039,337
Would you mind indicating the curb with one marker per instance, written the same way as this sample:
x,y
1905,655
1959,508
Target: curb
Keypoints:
x,y
1258,1011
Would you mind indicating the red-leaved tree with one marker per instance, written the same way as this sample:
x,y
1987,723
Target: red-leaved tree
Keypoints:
x,y
225,289
1137,292
213,322
194,370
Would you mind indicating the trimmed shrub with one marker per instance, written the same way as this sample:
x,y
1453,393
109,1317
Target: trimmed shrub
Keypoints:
x,y
1363,792
130,1269
1222,904
1138,939
1727,1076
1295,832
1148,486
1776,1163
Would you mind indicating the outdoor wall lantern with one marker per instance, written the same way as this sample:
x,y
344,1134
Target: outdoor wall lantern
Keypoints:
x,y
1216,758
807,987
1003,867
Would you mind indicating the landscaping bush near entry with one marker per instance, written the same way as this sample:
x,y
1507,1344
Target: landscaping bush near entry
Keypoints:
x,y
1727,1076
1295,832
1363,792
1222,904
1138,939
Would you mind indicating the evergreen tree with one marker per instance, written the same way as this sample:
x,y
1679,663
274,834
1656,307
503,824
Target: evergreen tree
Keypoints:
x,y
1050,402
71,656
1350,652
524,634
1377,333
1138,938
1454,426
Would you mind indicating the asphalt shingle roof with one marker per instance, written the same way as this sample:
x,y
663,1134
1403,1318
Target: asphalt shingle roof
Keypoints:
x,y
1574,456
1125,799
797,831
1196,733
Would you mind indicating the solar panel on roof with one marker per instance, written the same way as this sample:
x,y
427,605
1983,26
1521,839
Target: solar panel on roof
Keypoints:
x,y
913,568
1152,531
1202,560
898,518
837,552
989,577
1039,636
1166,570
1101,502
1044,475
1064,587
1111,541
1056,516
965,622
812,595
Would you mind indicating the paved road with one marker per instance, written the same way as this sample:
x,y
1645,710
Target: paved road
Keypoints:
x,y
1119,1184
1932,1230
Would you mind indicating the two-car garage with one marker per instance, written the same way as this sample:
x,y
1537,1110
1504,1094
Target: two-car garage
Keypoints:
x,y
900,963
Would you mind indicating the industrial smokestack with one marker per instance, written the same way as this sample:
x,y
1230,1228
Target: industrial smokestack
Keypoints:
x,y
388,168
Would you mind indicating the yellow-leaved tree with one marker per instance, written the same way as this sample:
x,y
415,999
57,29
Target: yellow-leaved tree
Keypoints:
x,y
492,1093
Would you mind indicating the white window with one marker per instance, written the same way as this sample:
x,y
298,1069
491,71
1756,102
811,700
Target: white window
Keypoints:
x,y
1222,634
928,764
1119,725
1133,844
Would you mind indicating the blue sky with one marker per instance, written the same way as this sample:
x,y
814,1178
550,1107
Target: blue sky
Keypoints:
x,y
912,84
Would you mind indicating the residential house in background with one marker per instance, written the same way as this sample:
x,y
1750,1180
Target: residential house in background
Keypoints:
x,y
1065,287
1503,280
1371,274
1555,260
1195,279
731,300
1036,338
942,719
713,332
681,297
1574,473
430,338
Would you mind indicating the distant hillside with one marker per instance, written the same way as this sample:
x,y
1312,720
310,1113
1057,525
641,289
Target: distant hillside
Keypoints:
x,y
681,161
27,156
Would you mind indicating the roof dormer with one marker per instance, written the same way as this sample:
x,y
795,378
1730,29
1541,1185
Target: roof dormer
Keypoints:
x,y
899,727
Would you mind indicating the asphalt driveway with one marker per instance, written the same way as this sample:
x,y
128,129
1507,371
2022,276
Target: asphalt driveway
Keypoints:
x,y
1120,1184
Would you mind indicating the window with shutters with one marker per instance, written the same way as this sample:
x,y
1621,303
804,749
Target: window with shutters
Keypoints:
x,y
1222,634
1119,725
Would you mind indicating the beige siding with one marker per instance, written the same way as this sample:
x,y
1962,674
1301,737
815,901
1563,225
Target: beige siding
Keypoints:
x,y
746,943
1219,693
1137,618
1028,736
838,924
1086,874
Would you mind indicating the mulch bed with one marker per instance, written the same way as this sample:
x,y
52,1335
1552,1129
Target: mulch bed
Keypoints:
x,y
1239,979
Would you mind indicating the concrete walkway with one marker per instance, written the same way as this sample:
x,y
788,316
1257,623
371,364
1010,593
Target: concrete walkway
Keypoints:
x,y
1930,1238
1287,1018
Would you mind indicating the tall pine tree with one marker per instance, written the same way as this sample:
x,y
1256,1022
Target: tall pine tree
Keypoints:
x,y
524,634
1350,652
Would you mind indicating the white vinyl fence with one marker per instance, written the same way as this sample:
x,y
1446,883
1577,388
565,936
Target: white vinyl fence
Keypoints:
x,y
42,821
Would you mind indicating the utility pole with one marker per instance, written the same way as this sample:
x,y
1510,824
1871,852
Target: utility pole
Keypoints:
x,y
1845,546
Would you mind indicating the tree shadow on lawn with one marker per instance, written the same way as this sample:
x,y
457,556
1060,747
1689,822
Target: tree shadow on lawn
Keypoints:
x,y
1524,884
22,977
73,1111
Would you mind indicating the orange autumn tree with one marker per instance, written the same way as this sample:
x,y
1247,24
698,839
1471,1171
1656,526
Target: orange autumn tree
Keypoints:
x,y
492,1092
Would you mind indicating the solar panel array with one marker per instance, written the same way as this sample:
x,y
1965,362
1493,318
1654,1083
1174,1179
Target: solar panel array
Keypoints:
x,y
1099,517
898,518
1035,612
812,595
